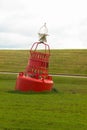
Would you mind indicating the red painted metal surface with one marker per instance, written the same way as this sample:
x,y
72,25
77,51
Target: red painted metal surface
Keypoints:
x,y
36,77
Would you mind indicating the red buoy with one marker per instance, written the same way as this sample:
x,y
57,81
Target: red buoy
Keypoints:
x,y
36,77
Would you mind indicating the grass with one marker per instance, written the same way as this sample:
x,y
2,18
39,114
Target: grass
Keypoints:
x,y
13,60
65,109
69,61
61,61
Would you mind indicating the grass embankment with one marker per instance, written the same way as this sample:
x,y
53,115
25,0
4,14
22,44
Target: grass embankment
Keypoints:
x,y
65,109
61,61
62,110
69,62
13,60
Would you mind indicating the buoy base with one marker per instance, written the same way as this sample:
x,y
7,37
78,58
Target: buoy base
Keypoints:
x,y
25,84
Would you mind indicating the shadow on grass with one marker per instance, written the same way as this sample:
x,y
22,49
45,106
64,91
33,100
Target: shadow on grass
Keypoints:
x,y
53,91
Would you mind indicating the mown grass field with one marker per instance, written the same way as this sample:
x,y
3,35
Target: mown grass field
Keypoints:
x,y
64,109
61,61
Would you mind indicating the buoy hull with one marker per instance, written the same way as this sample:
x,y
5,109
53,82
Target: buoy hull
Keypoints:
x,y
25,84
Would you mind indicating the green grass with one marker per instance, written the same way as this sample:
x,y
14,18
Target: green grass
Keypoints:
x,y
13,60
69,62
64,109
61,61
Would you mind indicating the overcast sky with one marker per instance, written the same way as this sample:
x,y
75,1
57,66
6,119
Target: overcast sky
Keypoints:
x,y
20,21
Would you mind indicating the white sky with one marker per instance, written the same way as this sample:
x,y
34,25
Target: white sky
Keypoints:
x,y
20,21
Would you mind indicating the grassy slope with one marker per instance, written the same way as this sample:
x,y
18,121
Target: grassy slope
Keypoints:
x,y
69,61
13,61
62,110
61,61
